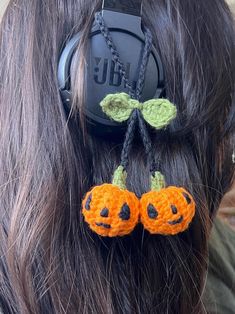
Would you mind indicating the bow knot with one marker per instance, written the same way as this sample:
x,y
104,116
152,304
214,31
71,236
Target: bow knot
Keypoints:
x,y
135,104
156,112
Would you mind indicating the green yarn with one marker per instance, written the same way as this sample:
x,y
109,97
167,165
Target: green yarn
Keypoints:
x,y
157,181
156,112
119,178
159,112
119,106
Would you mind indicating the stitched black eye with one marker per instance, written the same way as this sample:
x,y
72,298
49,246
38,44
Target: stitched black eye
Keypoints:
x,y
188,199
152,212
88,202
104,213
125,213
174,209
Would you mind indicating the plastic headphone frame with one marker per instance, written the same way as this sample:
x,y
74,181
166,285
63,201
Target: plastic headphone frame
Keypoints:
x,y
117,22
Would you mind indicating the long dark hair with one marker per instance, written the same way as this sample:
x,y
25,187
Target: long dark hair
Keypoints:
x,y
51,262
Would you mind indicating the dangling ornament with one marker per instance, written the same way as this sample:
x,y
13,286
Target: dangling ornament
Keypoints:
x,y
166,210
110,209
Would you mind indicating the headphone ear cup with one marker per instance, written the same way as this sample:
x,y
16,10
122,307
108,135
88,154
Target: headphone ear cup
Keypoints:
x,y
103,74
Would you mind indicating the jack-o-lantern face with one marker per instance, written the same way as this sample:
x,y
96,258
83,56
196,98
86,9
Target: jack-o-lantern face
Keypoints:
x,y
168,211
110,211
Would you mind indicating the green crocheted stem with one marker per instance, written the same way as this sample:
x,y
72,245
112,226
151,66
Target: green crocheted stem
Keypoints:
x,y
119,178
157,182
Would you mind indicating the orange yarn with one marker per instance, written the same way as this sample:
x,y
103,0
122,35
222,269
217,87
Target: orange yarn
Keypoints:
x,y
111,211
168,211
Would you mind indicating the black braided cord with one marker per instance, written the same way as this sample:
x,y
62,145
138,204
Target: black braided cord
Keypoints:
x,y
115,55
132,122
154,166
136,114
143,68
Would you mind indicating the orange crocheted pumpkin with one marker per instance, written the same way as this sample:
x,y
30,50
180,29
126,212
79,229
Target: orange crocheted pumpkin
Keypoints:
x,y
168,211
110,211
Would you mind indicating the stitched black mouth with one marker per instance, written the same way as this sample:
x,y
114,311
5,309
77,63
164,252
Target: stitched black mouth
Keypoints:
x,y
101,224
176,222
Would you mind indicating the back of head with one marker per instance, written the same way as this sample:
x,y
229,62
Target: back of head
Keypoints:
x,y
51,262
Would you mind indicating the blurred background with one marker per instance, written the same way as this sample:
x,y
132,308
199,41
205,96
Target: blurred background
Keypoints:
x,y
3,4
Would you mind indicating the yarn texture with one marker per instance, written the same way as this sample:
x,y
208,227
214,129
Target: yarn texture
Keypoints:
x,y
119,178
167,211
110,209
157,181
156,112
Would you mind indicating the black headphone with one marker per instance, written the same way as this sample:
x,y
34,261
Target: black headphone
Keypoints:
x,y
123,19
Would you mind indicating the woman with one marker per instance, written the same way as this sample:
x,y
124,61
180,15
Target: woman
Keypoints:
x,y
51,262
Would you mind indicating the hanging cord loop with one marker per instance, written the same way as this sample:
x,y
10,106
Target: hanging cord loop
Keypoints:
x,y
130,133
154,166
143,67
135,94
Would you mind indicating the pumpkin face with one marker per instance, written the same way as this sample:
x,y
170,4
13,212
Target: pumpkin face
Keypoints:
x,y
168,211
111,211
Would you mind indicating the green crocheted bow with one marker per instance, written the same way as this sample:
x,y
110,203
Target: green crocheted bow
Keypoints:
x,y
156,112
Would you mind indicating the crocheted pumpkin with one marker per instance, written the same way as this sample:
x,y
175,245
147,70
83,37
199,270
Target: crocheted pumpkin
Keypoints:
x,y
111,210
167,211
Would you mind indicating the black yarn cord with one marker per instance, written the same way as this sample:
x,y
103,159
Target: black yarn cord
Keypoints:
x,y
129,139
143,68
154,166
116,57
136,114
